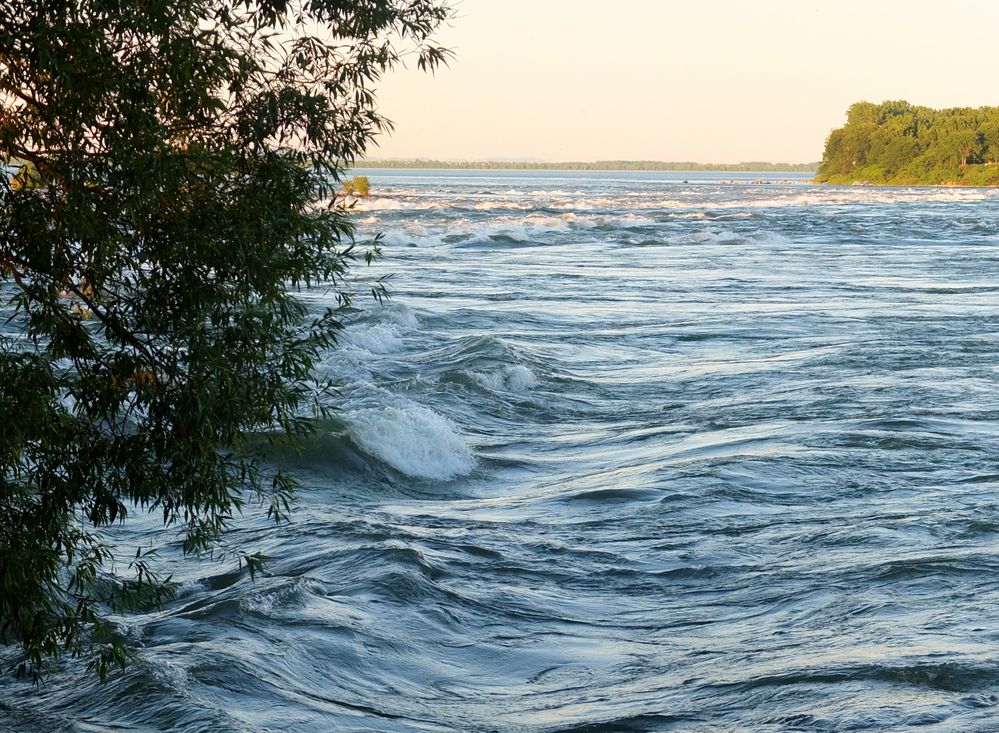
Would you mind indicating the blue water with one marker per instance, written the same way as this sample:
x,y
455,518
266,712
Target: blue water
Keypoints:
x,y
624,452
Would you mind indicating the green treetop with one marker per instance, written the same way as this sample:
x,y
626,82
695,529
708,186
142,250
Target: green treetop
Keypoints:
x,y
898,143
183,161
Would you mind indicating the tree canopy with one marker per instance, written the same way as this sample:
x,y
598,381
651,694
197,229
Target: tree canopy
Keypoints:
x,y
170,189
899,143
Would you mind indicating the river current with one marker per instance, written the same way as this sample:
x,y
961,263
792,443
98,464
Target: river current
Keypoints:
x,y
623,452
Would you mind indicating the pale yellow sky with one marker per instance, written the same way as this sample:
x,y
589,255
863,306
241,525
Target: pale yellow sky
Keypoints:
x,y
704,80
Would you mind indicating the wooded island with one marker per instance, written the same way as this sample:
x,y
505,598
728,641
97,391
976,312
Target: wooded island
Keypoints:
x,y
897,143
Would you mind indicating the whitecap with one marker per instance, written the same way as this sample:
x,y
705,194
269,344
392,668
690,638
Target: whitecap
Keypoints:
x,y
520,378
492,381
379,204
516,378
728,236
400,238
380,338
190,587
169,674
402,315
412,439
768,237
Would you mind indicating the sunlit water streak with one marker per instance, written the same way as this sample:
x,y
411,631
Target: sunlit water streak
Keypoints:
x,y
625,452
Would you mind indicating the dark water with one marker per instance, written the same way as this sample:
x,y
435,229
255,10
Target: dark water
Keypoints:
x,y
624,453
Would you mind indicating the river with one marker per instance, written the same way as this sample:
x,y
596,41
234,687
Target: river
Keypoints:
x,y
623,452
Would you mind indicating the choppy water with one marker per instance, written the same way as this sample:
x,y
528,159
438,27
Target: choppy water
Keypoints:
x,y
625,452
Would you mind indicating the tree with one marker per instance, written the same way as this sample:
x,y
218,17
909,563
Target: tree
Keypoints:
x,y
183,158
990,138
898,143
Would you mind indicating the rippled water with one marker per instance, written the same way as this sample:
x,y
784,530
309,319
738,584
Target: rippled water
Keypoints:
x,y
625,452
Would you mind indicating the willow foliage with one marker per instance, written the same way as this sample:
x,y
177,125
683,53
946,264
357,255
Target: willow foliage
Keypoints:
x,y
171,168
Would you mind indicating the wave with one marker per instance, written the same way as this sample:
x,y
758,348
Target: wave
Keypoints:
x,y
526,229
727,236
380,338
412,439
691,202
476,354
518,379
612,495
397,203
712,236
377,330
379,204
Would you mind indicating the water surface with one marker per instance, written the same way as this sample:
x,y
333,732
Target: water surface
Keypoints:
x,y
624,452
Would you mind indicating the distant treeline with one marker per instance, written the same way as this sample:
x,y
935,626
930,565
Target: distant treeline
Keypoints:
x,y
898,143
599,165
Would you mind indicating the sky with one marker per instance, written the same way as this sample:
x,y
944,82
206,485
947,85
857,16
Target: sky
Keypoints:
x,y
681,80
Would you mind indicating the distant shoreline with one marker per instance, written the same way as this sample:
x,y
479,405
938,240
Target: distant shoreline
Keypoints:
x,y
651,166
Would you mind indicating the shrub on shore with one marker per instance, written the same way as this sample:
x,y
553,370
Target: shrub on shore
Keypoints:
x,y
356,186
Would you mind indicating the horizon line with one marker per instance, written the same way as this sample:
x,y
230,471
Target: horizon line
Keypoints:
x,y
607,164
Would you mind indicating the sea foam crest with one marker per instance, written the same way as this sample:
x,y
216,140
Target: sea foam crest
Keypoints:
x,y
379,204
169,674
380,338
516,378
520,378
519,229
728,236
401,315
412,439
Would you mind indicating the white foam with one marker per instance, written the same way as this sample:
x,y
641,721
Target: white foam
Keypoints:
x,y
711,236
490,380
190,587
509,379
402,315
379,204
398,238
521,229
168,673
262,603
526,228
623,220
727,236
520,378
412,439
412,233
380,338
767,237
511,205
347,363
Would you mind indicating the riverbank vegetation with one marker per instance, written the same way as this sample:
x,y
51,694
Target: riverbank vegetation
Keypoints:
x,y
164,204
357,186
902,144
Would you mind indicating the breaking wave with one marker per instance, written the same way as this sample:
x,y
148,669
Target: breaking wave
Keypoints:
x,y
412,439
